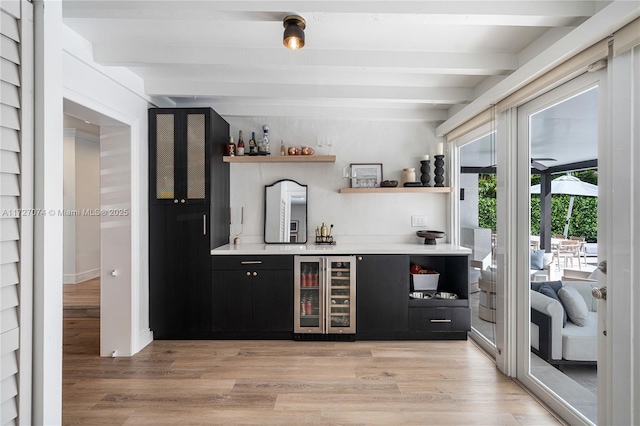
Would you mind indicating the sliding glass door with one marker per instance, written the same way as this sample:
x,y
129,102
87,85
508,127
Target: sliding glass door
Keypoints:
x,y
557,181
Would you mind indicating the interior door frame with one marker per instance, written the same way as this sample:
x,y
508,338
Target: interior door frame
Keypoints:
x,y
554,96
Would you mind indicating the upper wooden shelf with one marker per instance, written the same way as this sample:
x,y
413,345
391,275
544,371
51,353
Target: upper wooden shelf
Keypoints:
x,y
441,190
280,159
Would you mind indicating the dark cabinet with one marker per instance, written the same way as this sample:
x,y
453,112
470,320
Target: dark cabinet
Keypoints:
x,y
188,216
252,297
382,289
442,318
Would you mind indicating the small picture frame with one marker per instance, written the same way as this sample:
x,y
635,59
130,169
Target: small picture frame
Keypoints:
x,y
294,226
293,238
366,175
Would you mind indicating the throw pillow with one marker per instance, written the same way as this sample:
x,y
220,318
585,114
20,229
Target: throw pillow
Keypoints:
x,y
555,285
574,304
548,291
537,259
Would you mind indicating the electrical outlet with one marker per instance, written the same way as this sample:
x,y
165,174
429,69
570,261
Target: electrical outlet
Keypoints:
x,y
418,221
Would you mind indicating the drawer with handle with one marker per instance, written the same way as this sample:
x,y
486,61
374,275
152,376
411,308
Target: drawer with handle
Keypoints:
x,y
439,319
252,262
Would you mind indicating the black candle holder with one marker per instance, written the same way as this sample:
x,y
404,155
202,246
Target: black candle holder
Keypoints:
x,y
424,169
439,171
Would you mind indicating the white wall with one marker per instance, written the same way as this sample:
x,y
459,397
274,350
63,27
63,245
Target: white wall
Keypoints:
x,y
355,216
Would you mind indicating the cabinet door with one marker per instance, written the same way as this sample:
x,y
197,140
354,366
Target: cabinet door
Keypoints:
x,y
195,151
232,300
179,273
164,156
178,153
273,301
383,293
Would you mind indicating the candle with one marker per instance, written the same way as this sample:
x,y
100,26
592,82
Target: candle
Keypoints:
x,y
425,158
440,149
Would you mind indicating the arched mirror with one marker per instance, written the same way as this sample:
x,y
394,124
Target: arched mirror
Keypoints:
x,y
285,212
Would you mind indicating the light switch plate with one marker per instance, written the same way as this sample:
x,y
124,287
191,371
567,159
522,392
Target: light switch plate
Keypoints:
x,y
418,221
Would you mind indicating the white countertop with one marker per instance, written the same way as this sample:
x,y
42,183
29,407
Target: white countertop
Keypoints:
x,y
342,249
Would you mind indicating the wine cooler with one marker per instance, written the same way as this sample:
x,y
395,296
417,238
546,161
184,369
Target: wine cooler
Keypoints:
x,y
325,297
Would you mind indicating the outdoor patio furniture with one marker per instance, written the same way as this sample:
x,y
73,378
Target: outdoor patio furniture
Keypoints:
x,y
571,344
567,250
582,251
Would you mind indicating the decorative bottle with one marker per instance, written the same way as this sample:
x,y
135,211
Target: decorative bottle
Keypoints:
x,y
252,144
408,175
240,149
283,150
231,147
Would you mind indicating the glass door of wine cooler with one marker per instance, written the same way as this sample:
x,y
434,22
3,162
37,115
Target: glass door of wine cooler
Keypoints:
x,y
309,295
341,295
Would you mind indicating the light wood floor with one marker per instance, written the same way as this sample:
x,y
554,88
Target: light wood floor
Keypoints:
x,y
82,299
287,382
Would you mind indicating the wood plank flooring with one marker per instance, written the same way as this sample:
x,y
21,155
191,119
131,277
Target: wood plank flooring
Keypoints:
x,y
82,299
287,382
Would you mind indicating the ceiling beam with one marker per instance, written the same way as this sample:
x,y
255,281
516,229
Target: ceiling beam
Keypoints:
x,y
131,55
301,110
511,13
426,95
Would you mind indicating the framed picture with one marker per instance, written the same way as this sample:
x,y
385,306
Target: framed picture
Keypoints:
x,y
293,238
366,175
294,226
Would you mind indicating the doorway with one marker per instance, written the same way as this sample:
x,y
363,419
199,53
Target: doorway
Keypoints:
x,y
114,215
558,359
81,221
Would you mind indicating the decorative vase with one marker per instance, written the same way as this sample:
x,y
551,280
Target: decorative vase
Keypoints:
x,y
408,175
439,171
424,169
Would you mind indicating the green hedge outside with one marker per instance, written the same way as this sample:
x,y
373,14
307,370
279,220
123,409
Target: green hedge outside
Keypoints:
x,y
584,218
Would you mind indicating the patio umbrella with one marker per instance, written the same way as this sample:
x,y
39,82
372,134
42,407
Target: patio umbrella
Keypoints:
x,y
569,185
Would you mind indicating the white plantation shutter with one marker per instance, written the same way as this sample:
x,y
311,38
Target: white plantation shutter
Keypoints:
x,y
10,202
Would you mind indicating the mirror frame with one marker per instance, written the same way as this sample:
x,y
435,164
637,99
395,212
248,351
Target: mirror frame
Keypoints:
x,y
306,212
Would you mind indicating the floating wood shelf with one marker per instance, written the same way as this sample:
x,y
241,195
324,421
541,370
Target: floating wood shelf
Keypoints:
x,y
441,190
280,159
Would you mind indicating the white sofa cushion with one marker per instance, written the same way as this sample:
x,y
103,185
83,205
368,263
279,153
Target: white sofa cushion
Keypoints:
x,y
574,304
581,343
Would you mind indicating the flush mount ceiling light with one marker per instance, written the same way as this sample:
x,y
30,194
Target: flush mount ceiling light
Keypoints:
x,y
294,26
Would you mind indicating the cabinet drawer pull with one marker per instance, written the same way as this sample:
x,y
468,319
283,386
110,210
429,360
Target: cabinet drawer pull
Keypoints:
x,y
440,320
248,273
251,262
204,224
255,274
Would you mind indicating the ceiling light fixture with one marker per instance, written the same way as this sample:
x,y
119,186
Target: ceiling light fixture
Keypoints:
x,y
294,26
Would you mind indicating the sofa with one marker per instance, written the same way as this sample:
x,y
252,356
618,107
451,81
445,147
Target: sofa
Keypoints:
x,y
561,341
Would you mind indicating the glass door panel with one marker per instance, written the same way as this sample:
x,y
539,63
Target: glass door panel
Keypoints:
x,y
560,130
309,297
341,294
196,157
165,156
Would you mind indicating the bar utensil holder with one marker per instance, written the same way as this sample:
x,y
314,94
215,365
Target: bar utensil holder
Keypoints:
x,y
425,169
439,171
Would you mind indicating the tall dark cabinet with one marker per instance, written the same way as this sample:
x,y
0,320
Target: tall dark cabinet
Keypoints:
x,y
188,216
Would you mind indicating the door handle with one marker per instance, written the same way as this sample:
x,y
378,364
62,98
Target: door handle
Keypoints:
x,y
599,293
204,224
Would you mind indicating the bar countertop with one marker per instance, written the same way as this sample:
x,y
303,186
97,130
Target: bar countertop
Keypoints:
x,y
341,249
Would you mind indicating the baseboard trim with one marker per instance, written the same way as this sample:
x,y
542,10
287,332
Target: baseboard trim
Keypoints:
x,y
81,276
143,340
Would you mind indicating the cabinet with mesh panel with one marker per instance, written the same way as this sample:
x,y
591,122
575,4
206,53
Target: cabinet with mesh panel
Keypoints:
x,y
188,216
